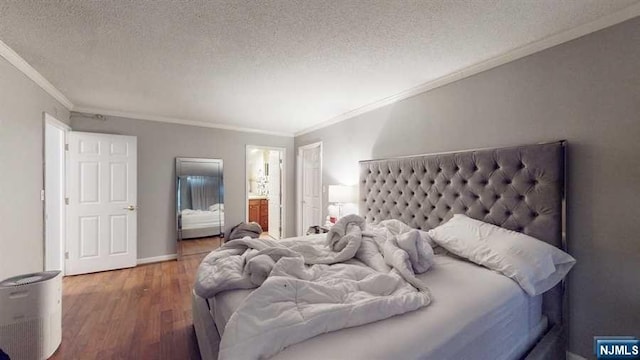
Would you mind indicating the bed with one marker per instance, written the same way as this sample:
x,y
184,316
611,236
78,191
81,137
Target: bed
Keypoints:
x,y
201,223
519,188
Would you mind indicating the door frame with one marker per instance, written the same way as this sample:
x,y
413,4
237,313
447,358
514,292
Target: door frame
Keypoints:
x,y
299,167
283,183
49,120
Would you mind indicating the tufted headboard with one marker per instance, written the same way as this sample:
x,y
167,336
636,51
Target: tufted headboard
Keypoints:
x,y
519,188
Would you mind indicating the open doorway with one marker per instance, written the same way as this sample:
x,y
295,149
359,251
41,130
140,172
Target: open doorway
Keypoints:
x,y
265,189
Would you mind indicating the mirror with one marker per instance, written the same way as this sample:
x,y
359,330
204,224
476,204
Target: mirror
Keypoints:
x,y
199,205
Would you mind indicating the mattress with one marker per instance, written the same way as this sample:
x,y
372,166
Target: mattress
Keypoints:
x,y
475,314
197,219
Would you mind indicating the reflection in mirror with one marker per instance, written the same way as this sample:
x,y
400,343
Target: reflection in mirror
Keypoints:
x,y
200,205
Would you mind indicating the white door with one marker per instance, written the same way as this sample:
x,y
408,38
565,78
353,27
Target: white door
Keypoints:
x,y
275,193
311,180
101,216
55,137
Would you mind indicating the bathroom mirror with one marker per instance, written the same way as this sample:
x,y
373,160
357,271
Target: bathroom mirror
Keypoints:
x,y
199,205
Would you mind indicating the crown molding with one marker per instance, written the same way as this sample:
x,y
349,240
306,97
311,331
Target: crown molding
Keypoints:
x,y
509,56
606,21
164,119
21,64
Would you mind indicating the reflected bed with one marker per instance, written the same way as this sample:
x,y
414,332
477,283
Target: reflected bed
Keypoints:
x,y
200,223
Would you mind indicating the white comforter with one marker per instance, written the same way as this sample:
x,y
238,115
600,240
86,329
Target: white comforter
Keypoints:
x,y
295,301
192,219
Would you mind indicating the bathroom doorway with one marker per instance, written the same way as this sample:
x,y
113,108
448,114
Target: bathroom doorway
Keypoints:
x,y
265,189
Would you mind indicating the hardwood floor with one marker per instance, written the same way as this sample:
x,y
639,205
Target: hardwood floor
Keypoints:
x,y
200,245
138,313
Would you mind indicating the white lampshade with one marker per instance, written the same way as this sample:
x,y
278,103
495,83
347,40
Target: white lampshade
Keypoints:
x,y
342,194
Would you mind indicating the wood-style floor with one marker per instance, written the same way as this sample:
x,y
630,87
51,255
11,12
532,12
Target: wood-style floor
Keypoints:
x,y
138,313
200,245
207,244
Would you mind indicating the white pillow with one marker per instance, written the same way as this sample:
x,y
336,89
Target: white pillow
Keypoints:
x,y
535,265
216,207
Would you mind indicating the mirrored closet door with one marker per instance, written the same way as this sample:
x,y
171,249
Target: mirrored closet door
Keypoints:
x,y
199,205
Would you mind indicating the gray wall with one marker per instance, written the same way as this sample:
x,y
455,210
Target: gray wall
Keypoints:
x,y
22,104
158,146
586,91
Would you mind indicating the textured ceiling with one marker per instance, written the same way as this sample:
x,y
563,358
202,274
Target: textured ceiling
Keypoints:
x,y
273,65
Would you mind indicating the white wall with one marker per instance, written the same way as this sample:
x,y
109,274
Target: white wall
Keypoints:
x,y
22,104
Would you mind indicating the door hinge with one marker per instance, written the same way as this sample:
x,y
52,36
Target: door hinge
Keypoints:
x,y
66,201
42,195
66,147
66,255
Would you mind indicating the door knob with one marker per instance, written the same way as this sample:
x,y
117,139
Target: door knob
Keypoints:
x,y
130,208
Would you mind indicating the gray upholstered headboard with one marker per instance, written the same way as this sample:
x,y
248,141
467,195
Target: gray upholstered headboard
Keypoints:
x,y
519,188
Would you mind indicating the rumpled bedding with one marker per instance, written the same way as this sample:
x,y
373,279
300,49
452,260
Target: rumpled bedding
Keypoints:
x,y
359,274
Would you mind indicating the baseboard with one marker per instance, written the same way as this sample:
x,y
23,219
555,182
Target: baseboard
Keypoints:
x,y
572,356
156,259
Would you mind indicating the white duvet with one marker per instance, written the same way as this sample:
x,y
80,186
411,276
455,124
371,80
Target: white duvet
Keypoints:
x,y
357,276
192,219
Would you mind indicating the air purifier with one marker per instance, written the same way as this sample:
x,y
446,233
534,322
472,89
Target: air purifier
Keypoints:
x,y
31,315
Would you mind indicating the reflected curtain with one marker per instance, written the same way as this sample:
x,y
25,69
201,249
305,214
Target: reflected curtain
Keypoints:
x,y
204,192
